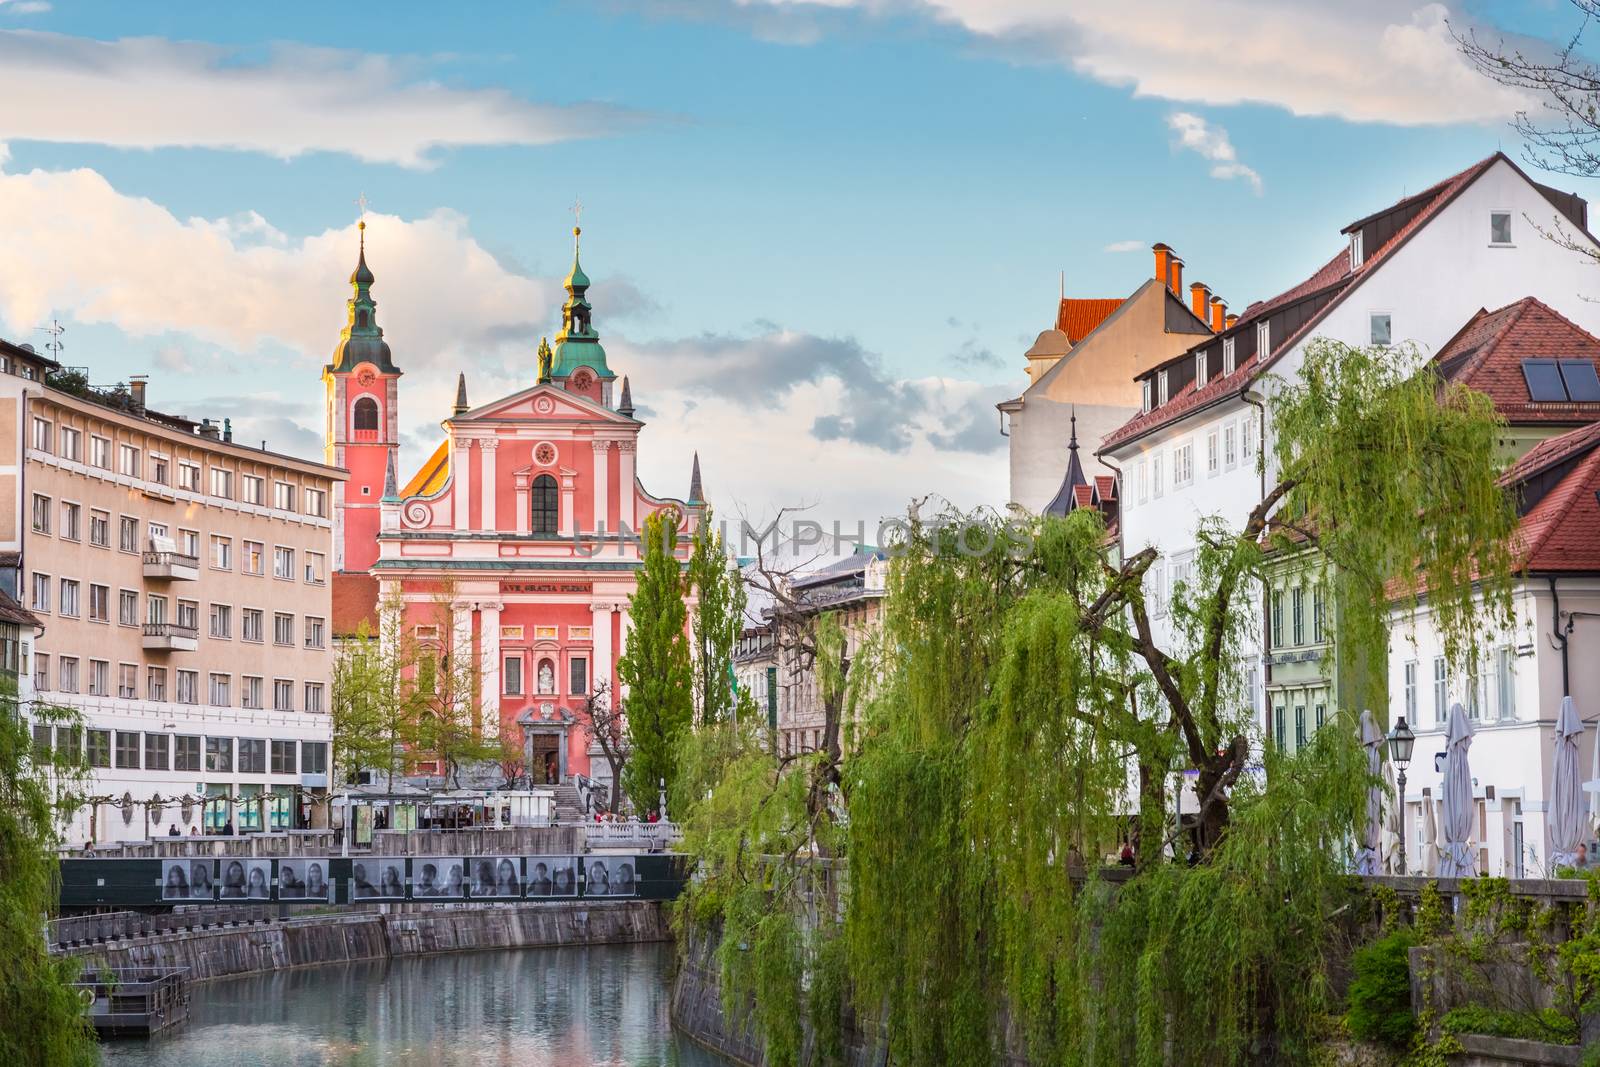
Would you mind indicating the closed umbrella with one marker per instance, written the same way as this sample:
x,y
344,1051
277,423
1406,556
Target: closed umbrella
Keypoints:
x,y
1457,859
1566,790
1367,859
1430,838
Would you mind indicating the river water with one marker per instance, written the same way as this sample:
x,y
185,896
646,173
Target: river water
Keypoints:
x,y
563,1007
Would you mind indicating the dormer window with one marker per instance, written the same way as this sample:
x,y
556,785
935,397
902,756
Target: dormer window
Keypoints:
x,y
1145,388
1229,360
1199,369
1161,387
1263,341
1357,252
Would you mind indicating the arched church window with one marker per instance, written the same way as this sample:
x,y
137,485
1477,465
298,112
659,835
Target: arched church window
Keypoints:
x,y
366,414
546,506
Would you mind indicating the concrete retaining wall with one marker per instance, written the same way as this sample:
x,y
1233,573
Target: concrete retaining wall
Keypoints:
x,y
224,952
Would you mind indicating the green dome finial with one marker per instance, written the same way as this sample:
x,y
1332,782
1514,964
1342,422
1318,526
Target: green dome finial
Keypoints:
x,y
577,281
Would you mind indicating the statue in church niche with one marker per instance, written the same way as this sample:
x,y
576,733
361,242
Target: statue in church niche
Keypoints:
x,y
545,357
547,677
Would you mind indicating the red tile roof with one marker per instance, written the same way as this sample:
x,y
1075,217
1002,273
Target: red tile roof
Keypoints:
x,y
1078,318
1562,531
1105,487
1083,496
1487,355
355,600
1335,275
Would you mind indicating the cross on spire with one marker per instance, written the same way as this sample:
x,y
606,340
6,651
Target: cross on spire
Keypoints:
x,y
362,203
577,212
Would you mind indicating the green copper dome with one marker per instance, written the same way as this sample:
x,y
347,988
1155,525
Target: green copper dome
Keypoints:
x,y
578,344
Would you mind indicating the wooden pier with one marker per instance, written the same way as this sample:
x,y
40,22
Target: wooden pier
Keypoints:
x,y
135,1001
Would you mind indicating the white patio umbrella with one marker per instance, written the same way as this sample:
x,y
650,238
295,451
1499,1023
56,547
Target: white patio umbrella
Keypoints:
x,y
1367,857
1457,859
1428,862
1566,789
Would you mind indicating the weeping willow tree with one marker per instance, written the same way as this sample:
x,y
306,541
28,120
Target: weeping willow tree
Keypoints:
x,y
1026,717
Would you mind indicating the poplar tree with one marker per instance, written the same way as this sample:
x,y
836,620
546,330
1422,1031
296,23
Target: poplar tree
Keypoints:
x,y
718,622
655,667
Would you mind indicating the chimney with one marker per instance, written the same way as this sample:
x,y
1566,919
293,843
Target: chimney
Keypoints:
x,y
210,429
136,386
1175,283
1199,298
1219,314
1163,262
1228,322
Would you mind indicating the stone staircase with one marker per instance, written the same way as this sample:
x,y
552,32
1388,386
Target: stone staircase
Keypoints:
x,y
568,807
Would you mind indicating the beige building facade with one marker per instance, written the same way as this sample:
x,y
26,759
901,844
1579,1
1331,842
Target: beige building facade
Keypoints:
x,y
853,591
182,580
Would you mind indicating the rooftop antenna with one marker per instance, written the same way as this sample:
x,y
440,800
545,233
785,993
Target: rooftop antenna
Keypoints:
x,y
54,345
1063,285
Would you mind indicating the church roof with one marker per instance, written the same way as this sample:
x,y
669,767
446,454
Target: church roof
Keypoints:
x,y
432,475
1075,491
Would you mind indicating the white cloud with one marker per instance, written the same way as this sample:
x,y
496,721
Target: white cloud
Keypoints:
x,y
1211,142
148,92
24,7
1125,246
1362,60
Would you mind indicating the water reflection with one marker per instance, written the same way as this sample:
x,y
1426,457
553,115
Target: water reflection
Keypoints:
x,y
529,1008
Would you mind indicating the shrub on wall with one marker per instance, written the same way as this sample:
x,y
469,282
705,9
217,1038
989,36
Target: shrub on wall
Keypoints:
x,y
1379,999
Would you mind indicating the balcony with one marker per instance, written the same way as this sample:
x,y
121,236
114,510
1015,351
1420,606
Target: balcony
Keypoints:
x,y
170,637
171,565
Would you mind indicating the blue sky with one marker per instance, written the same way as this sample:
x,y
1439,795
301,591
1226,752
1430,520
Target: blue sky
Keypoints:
x,y
821,234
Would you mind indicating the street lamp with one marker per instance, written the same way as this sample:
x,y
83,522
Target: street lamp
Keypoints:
x,y
1401,740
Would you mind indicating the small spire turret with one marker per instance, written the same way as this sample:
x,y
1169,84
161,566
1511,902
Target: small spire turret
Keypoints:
x,y
696,494
625,406
461,394
391,488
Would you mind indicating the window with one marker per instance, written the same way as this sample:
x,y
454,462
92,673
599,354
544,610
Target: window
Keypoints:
x,y
283,562
1229,359
1499,227
41,671
1263,341
156,749
1230,446
99,603
186,752
189,476
70,526
222,552
283,761
1213,454
1183,465
1280,732
1441,689
512,674
314,697
69,744
282,629
1247,440
250,624
282,694
43,435
222,620
71,444
1317,609
41,592
1561,380
1381,323
1156,487
1411,692
41,514
252,490
100,529
1357,250
366,414
99,744
222,483
1144,394
128,744
1299,726
219,755
68,604
1158,589
42,743
1277,618
283,496
546,504
252,755
1299,599
100,452
158,469
313,757
1505,692
316,503
1199,369
128,533
578,671
128,461
1143,478
1161,387
1322,715
1182,568
99,678
189,543
221,691
155,609
188,687
189,614
316,568
254,555
128,680
155,683
314,632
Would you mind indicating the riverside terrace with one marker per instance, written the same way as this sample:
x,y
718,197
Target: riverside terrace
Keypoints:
x,y
483,865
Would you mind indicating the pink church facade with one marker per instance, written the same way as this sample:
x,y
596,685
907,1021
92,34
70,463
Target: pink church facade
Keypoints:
x,y
515,541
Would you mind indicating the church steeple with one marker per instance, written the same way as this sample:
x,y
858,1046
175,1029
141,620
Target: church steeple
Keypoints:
x,y
578,345
695,492
361,340
1065,499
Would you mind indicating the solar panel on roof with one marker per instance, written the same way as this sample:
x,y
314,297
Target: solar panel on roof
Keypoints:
x,y
1582,384
1544,380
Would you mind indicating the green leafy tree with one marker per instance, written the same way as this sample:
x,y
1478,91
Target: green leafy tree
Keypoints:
x,y
42,1022
718,622
655,668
